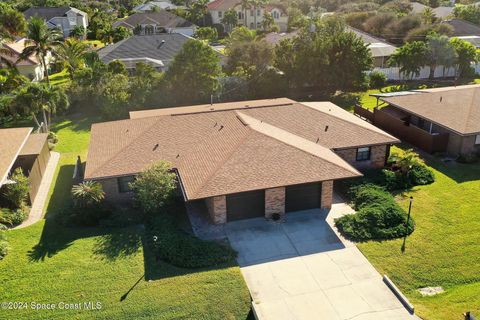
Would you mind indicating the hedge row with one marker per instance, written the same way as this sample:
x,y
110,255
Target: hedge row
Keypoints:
x,y
378,216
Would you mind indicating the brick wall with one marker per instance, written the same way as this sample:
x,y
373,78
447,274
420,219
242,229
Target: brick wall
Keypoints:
x,y
275,202
217,208
327,194
112,194
377,157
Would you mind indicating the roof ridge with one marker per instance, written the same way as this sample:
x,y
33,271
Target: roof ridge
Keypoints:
x,y
219,164
126,146
363,125
263,127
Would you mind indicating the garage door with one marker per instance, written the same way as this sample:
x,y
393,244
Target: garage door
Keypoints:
x,y
245,205
303,196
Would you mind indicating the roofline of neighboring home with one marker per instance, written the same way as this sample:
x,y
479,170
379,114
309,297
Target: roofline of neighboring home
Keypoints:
x,y
16,156
371,35
18,53
432,121
368,145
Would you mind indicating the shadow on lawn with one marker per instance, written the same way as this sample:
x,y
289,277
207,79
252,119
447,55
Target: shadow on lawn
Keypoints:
x,y
460,172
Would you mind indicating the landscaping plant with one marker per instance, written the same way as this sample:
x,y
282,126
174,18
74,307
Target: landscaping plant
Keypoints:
x,y
16,194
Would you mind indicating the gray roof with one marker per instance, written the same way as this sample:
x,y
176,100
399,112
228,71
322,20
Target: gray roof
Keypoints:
x,y
162,19
378,47
443,12
463,28
149,6
49,13
150,47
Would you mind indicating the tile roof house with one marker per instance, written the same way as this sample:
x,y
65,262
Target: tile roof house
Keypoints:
x,y
149,23
436,120
463,28
156,50
250,17
63,18
30,67
156,5
249,158
20,148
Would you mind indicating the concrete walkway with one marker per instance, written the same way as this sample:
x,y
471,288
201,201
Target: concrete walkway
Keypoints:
x,y
38,205
303,269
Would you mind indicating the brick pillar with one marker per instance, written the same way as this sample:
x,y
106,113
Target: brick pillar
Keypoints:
x,y
327,194
275,202
217,208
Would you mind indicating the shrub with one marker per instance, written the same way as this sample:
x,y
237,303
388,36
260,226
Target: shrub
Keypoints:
x,y
19,215
378,217
154,188
16,194
184,250
87,194
3,245
467,158
377,80
85,217
419,175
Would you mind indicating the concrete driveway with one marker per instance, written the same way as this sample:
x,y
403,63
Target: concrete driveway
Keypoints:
x,y
302,269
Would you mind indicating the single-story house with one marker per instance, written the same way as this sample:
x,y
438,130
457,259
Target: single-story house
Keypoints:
x,y
156,5
30,67
20,148
244,159
436,120
275,38
475,40
157,50
149,23
63,18
250,17
381,50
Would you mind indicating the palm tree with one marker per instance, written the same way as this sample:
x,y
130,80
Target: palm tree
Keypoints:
x,y
87,193
35,98
72,54
41,41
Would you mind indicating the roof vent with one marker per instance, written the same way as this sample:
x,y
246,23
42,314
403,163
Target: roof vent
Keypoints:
x,y
326,128
221,127
161,44
441,98
318,139
155,147
215,124
178,155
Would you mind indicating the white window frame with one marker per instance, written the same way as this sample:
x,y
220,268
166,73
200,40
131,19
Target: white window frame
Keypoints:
x,y
477,139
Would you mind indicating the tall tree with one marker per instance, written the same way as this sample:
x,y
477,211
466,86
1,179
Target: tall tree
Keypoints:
x,y
40,98
410,58
268,24
466,55
72,54
41,41
440,53
12,22
230,19
193,74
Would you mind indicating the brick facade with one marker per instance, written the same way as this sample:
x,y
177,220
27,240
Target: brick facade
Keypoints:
x,y
327,194
217,208
377,157
112,194
275,202
458,144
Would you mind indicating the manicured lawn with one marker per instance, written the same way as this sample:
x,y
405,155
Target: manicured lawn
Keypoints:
x,y
444,250
48,263
60,78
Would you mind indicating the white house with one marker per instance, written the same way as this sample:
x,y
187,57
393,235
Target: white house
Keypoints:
x,y
63,18
250,17
30,67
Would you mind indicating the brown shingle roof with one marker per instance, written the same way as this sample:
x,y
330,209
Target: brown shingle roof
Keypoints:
x,y
34,144
456,108
231,148
11,142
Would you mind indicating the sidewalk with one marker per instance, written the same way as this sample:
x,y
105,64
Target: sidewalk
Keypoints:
x,y
38,205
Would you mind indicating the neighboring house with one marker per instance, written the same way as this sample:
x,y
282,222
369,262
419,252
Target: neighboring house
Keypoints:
x,y
244,159
475,40
30,67
381,50
155,5
443,12
22,149
248,17
63,18
275,38
463,28
436,120
148,23
418,7
155,50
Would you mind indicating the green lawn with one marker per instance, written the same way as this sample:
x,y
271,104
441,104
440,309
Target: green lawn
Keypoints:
x,y
444,250
51,264
60,78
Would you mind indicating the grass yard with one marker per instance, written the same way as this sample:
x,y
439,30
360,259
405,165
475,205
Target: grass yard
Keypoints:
x,y
60,78
48,263
444,250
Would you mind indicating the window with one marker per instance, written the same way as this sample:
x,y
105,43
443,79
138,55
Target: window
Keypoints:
x,y
220,13
275,14
123,184
251,13
477,139
240,15
259,12
363,154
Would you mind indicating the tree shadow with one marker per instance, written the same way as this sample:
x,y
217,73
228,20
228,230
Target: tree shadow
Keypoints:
x,y
60,197
459,172
119,244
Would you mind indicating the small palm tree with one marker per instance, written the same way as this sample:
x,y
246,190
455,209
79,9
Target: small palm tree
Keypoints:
x,y
72,54
405,161
41,41
87,193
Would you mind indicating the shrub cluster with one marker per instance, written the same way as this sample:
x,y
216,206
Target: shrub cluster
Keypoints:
x,y
378,216
180,249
